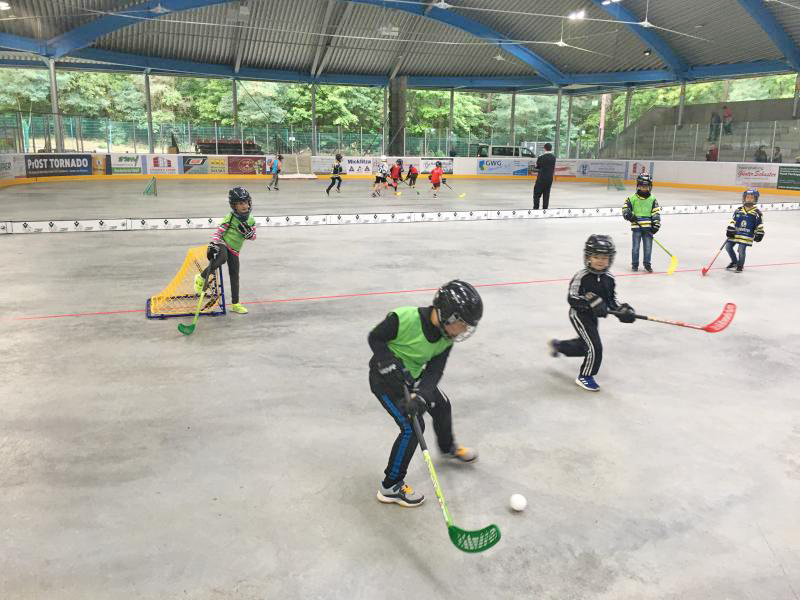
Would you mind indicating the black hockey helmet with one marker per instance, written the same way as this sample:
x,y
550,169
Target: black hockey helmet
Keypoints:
x,y
239,194
399,161
644,179
602,245
458,301
438,163
338,157
751,192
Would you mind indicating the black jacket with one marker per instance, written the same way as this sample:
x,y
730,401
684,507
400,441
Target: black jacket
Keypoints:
x,y
585,281
546,166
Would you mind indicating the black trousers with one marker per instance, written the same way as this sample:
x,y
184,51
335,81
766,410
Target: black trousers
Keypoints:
x,y
405,444
335,180
587,344
233,270
413,178
541,189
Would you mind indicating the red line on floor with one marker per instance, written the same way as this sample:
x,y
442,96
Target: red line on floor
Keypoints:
x,y
385,293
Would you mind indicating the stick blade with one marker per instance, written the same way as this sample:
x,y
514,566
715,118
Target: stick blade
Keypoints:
x,y
723,320
673,264
474,541
703,271
186,329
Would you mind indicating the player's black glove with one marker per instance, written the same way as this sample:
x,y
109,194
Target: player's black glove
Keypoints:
x,y
247,231
655,226
597,305
444,180
414,404
758,236
213,251
730,232
395,374
626,313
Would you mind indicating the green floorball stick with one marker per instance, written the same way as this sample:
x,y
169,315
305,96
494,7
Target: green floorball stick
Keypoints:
x,y
188,329
468,541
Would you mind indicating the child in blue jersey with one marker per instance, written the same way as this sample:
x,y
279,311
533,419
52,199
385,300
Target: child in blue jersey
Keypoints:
x,y
226,243
275,169
746,226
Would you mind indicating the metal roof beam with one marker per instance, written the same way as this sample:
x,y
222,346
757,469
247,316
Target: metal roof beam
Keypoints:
x,y
478,29
331,41
9,41
321,41
648,36
85,35
767,21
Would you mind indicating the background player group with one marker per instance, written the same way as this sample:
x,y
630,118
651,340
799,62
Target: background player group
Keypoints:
x,y
389,177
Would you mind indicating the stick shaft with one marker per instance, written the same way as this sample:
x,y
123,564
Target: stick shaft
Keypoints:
x,y
427,455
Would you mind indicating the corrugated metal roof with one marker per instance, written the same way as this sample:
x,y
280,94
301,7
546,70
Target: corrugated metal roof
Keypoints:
x,y
420,58
286,35
613,47
788,17
731,33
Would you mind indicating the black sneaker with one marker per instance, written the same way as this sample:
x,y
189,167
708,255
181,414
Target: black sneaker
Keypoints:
x,y
552,346
634,268
739,268
648,268
731,266
401,494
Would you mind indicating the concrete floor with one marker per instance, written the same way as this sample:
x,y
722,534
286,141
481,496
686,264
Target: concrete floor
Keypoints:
x,y
185,198
242,462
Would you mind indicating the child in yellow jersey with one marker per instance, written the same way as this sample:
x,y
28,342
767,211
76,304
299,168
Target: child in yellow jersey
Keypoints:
x,y
410,349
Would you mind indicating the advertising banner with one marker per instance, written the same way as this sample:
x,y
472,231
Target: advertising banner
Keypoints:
x,y
218,165
565,168
357,165
788,178
427,165
194,165
101,164
602,168
757,175
127,164
507,166
12,166
637,167
247,165
162,164
38,165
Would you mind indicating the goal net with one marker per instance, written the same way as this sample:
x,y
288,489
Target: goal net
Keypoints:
x,y
297,166
179,299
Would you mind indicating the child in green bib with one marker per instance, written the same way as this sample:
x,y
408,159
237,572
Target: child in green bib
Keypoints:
x,y
644,213
410,350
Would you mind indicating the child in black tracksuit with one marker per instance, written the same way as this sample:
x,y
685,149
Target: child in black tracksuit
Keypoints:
x,y
591,295
336,176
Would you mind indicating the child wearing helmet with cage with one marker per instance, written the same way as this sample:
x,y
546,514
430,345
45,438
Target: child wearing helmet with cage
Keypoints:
x,y
644,213
410,350
591,295
226,243
746,227
381,175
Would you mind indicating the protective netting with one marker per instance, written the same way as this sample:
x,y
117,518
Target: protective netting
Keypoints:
x,y
179,297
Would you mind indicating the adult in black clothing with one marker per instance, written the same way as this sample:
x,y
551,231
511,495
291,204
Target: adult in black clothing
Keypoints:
x,y
545,169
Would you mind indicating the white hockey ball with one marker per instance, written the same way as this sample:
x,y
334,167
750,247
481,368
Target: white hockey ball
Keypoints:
x,y
518,502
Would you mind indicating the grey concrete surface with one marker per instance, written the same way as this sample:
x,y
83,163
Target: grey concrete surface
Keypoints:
x,y
186,198
242,462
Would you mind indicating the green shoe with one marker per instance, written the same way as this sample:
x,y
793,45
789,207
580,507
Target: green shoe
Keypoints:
x,y
199,282
238,308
